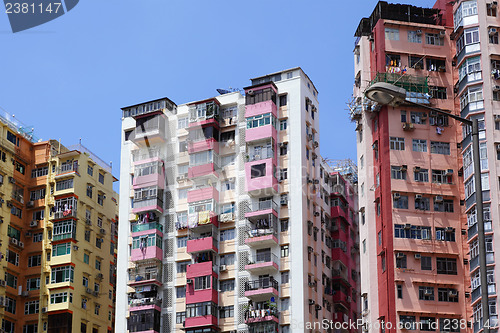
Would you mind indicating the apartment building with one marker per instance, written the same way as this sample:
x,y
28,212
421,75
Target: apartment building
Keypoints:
x,y
225,196
58,227
413,228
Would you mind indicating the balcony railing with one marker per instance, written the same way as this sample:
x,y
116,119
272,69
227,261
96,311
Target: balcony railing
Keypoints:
x,y
264,257
146,226
60,214
145,301
252,315
155,201
145,276
268,282
263,205
262,155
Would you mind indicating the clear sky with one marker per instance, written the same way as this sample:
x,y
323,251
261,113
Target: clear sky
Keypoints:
x,y
69,77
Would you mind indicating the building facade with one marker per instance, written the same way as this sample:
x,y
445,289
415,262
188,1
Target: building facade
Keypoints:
x,y
219,217
413,228
58,236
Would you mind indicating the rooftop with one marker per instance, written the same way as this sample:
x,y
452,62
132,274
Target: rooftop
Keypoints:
x,y
16,125
398,12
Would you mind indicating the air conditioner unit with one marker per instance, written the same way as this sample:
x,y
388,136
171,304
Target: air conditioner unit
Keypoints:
x,y
250,92
30,204
449,172
453,293
492,31
284,201
45,309
467,294
34,223
12,180
407,226
25,293
181,177
400,255
450,229
75,247
442,33
427,292
316,214
100,276
418,256
466,261
419,32
309,137
3,283
103,231
95,293
404,167
416,169
311,284
397,196
408,126
88,291
222,268
315,144
418,196
494,4
88,222
438,198
311,302
496,88
20,244
14,241
189,281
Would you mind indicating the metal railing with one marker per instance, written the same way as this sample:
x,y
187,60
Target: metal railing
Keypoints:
x,y
262,155
264,257
69,167
145,301
146,226
263,205
262,283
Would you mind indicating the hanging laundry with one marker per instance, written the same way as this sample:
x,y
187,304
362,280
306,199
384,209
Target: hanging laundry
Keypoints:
x,y
204,217
193,220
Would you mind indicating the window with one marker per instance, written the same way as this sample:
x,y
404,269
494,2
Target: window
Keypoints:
x,y
445,234
283,174
494,38
422,203
491,10
261,120
469,37
393,60
447,295
100,198
90,170
421,175
426,263
434,39
224,160
226,285
283,149
183,146
473,98
414,37
283,124
400,260
86,258
201,309
418,117
426,293
35,260
428,324
391,34
441,205
442,176
434,65
89,190
182,193
471,68
39,172
228,185
399,290
85,281
202,282
64,230
180,292
10,305
182,265
285,251
59,298
284,225
227,311
397,143
440,148
31,307
420,145
180,317
398,172
98,264
407,322
62,274
181,242
11,280
449,324
182,123
446,266
12,138
228,234
60,185
258,170
412,231
400,201
12,257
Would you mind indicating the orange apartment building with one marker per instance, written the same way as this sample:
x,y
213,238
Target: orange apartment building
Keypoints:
x,y
413,229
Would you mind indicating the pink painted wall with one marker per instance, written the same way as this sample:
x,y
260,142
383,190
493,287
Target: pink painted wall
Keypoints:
x,y
201,170
150,180
197,296
203,194
147,232
260,133
144,307
149,252
267,181
194,147
147,208
256,320
200,269
261,238
148,160
261,108
261,212
203,244
204,122
338,212
249,293
261,265
264,86
201,321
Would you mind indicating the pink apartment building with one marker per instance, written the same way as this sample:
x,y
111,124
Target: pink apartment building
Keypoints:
x,y
230,211
413,228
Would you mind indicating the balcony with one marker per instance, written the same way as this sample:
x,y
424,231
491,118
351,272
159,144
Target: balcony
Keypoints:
x,y
473,229
205,193
262,208
66,168
65,213
262,289
145,277
201,322
202,244
260,154
149,130
474,262
263,232
138,227
258,316
476,293
140,302
208,143
263,263
201,219
260,178
152,203
146,254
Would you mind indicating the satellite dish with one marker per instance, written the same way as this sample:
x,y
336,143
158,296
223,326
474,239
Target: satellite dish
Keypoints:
x,y
223,91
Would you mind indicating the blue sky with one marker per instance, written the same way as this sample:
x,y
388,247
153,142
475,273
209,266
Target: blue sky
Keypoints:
x,y
69,77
